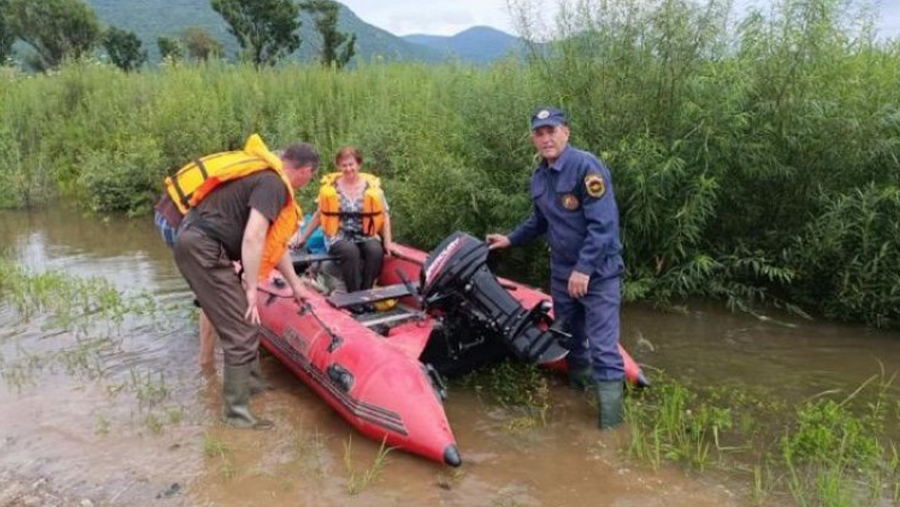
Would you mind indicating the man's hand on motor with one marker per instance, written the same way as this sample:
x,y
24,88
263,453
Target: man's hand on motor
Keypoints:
x,y
578,284
497,241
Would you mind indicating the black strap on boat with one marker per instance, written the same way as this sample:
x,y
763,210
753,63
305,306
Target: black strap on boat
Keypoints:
x,y
351,213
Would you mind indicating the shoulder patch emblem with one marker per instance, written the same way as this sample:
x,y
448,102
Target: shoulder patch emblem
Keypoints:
x,y
569,201
595,185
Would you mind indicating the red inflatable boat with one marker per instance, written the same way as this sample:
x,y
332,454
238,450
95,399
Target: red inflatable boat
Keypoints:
x,y
382,370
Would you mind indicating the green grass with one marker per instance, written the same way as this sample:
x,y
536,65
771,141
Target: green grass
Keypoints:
x,y
70,302
826,451
673,423
216,449
149,389
754,162
522,390
83,316
357,481
153,423
103,425
836,456
175,415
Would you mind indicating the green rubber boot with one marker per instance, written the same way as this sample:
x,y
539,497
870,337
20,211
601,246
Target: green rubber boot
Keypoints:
x,y
236,396
581,379
258,384
610,398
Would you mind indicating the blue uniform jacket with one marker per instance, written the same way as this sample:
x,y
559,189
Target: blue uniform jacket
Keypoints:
x,y
578,214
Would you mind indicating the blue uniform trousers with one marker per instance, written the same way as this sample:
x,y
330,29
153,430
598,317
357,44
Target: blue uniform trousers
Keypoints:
x,y
594,324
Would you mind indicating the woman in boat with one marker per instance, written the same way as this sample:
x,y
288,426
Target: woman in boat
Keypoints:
x,y
353,214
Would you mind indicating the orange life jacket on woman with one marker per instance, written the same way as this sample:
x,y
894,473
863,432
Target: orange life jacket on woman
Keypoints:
x,y
330,205
193,182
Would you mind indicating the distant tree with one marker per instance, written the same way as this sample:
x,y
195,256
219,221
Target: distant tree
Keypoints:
x,y
124,48
170,48
325,13
56,29
200,44
267,30
6,36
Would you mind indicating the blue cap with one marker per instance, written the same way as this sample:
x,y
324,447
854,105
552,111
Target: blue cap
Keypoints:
x,y
548,117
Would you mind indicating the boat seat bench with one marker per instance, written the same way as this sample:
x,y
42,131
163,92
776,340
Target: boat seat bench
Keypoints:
x,y
370,296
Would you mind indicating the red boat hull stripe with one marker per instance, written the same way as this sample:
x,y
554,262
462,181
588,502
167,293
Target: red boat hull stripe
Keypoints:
x,y
376,415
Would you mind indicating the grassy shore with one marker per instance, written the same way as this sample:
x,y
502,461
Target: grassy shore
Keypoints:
x,y
755,160
834,449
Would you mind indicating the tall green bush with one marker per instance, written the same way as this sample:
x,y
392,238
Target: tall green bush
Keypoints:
x,y
753,160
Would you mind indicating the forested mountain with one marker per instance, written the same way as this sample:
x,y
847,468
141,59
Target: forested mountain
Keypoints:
x,y
150,19
480,44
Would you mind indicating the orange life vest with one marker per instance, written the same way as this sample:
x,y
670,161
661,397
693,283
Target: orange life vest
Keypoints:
x,y
193,182
330,205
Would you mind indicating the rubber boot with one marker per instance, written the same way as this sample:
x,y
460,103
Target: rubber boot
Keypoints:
x,y
581,378
610,396
258,384
236,396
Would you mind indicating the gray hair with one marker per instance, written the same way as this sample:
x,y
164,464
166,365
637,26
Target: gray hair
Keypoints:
x,y
301,155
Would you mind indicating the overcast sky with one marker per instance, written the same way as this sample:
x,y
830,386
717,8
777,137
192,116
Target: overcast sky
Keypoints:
x,y
448,17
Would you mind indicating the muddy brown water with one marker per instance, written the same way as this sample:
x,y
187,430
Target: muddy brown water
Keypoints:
x,y
135,423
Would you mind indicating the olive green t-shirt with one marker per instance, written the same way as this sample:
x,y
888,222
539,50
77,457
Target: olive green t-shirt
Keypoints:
x,y
225,211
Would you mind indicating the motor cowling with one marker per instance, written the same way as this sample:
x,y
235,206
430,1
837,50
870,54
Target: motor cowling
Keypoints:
x,y
457,282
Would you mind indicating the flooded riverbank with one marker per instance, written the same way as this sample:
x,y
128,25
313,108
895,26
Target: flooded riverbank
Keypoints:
x,y
142,424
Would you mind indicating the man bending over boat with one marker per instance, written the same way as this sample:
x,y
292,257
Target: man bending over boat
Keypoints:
x,y
575,205
243,211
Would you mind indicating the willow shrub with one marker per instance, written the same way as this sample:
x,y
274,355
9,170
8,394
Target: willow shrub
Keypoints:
x,y
849,256
734,144
754,159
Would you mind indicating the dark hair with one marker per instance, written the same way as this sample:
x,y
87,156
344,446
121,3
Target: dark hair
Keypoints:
x,y
348,151
302,154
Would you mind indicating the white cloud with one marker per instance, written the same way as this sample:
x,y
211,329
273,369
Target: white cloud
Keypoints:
x,y
890,23
449,17
403,17
442,21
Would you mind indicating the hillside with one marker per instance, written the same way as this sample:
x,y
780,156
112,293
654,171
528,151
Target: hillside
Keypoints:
x,y
150,19
479,44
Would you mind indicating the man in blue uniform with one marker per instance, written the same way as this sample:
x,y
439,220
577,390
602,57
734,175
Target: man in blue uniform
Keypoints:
x,y
575,206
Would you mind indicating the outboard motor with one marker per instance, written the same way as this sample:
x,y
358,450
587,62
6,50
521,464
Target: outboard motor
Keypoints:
x,y
479,313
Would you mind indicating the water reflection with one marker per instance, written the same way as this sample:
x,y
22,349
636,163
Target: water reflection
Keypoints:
x,y
146,429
